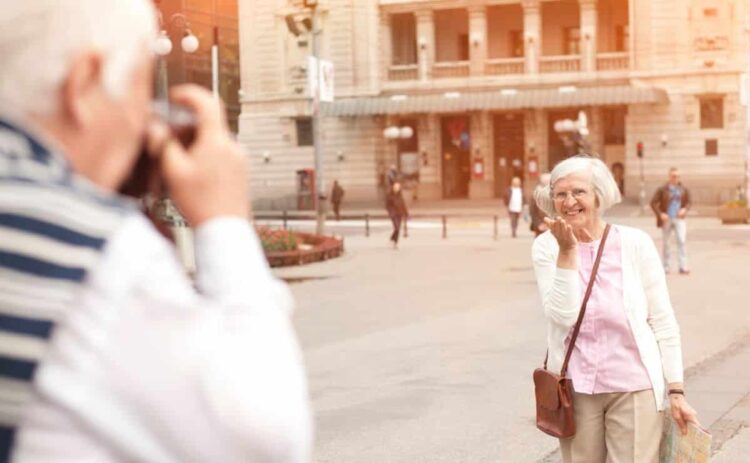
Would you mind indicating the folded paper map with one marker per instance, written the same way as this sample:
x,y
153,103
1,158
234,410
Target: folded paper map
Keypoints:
x,y
694,447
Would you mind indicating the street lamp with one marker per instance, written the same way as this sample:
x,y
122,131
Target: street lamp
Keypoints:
x,y
163,47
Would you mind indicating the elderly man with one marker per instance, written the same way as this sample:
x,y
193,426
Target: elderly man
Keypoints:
x,y
107,353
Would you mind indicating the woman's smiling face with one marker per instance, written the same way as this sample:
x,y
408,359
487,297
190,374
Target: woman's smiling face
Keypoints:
x,y
574,199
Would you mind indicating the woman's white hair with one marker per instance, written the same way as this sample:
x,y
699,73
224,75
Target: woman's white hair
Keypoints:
x,y
604,185
40,38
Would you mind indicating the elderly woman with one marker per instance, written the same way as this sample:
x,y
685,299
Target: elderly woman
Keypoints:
x,y
629,342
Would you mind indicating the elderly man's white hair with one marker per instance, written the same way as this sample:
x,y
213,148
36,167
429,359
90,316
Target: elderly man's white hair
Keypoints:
x,y
39,38
603,183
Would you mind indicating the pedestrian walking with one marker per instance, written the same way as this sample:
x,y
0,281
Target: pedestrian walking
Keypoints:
x,y
514,202
108,354
627,355
538,226
670,203
337,194
396,207
391,177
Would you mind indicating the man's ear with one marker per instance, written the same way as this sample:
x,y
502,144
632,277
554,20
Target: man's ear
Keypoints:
x,y
81,89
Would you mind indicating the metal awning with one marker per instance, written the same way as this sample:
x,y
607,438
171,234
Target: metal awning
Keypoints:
x,y
495,100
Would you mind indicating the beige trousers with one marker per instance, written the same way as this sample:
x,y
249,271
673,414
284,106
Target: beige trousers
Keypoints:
x,y
620,427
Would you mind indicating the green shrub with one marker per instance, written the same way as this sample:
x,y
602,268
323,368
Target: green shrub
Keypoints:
x,y
277,240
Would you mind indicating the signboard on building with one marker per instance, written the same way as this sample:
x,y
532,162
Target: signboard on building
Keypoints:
x,y
320,78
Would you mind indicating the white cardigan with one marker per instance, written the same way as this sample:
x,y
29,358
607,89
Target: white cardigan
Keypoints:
x,y
647,305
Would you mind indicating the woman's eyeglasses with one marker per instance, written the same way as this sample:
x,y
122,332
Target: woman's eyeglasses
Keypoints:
x,y
576,193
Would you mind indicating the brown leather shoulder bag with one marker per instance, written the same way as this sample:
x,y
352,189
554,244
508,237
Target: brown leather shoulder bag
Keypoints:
x,y
554,393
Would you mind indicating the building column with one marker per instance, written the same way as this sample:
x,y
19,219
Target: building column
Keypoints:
x,y
386,48
477,38
588,35
532,34
425,42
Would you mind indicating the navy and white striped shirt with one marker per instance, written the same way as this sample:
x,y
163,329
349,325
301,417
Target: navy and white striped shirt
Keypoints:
x,y
108,354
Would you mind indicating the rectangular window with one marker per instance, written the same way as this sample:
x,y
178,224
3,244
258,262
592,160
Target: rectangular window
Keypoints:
x,y
621,38
516,44
712,147
304,131
614,126
572,41
463,47
712,112
403,39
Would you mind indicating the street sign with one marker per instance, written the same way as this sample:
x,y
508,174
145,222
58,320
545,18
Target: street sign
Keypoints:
x,y
320,78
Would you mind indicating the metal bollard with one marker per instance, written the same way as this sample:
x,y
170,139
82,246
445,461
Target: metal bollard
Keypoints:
x,y
406,227
494,232
283,218
445,227
367,225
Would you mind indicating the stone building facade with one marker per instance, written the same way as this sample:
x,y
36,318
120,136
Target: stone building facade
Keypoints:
x,y
481,84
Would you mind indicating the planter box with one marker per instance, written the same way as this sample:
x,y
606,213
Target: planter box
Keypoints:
x,y
315,249
730,215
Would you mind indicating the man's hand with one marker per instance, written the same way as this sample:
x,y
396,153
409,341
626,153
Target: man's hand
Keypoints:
x,y
682,412
664,218
208,179
682,213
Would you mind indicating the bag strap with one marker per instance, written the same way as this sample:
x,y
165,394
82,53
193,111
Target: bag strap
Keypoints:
x,y
582,312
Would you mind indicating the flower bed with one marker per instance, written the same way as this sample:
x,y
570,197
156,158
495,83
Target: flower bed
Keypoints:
x,y
284,248
735,211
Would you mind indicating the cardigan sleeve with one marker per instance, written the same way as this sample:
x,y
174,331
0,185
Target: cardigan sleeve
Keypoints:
x,y
661,315
559,288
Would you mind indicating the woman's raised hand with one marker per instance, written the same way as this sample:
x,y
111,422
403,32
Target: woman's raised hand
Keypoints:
x,y
563,233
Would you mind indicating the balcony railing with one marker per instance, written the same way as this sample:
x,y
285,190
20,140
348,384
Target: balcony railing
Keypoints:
x,y
503,66
450,69
562,63
612,61
403,72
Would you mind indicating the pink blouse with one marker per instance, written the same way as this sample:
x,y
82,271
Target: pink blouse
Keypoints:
x,y
605,357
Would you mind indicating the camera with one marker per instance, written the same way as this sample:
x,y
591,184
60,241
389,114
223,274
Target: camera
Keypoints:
x,y
145,173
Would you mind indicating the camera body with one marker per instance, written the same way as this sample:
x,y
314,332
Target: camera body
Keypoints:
x,y
145,176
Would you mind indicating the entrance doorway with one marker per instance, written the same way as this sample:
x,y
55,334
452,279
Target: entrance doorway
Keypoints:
x,y
456,149
557,149
508,147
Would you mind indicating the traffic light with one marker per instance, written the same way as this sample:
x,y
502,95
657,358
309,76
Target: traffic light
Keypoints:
x,y
639,149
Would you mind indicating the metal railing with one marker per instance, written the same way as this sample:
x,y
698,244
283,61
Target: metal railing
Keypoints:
x,y
450,69
561,63
612,61
403,72
504,66
285,217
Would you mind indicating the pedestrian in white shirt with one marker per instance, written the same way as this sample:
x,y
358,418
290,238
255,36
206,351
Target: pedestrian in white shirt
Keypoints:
x,y
107,353
514,201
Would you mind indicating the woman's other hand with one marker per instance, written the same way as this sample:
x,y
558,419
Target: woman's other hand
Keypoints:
x,y
682,412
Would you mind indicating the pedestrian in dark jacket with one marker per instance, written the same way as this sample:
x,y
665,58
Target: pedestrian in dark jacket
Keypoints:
x,y
396,207
670,204
337,194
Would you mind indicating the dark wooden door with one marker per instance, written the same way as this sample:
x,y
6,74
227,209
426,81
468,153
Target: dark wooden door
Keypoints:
x,y
456,149
557,149
508,147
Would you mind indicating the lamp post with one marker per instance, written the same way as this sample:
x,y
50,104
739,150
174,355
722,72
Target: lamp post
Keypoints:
x,y
163,47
